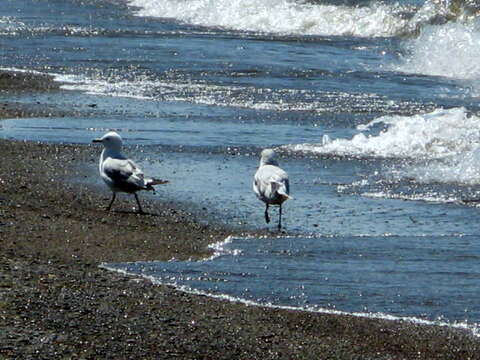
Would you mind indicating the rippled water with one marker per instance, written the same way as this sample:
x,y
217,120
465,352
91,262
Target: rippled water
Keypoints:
x,y
371,105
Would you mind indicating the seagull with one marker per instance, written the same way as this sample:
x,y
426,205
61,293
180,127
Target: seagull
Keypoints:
x,y
271,184
120,173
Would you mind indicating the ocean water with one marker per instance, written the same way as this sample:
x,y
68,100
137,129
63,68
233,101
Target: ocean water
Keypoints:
x,y
371,105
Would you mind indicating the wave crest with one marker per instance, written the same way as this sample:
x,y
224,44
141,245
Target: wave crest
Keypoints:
x,y
283,17
434,135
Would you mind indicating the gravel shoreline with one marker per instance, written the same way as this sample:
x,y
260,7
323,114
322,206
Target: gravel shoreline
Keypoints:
x,y
55,302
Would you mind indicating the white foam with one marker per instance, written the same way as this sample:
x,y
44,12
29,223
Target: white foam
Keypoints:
x,y
11,26
439,134
451,50
429,197
279,16
473,328
462,169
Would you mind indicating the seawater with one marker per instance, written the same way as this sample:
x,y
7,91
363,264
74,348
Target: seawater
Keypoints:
x,y
372,106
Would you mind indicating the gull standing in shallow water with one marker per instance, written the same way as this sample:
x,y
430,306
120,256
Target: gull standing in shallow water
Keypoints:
x,y
271,184
120,173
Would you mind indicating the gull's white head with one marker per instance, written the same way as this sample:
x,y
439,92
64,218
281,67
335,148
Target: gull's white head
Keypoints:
x,y
267,157
110,140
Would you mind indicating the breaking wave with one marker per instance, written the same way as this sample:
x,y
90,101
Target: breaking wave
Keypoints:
x,y
439,134
281,17
375,19
451,50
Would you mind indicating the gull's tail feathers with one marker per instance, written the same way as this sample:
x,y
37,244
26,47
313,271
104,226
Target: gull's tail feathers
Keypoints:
x,y
280,188
285,196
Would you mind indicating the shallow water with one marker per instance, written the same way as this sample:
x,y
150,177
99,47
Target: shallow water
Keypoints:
x,y
364,274
375,123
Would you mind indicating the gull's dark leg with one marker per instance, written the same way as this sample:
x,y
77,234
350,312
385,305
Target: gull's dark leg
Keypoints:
x,y
280,217
140,210
267,218
111,201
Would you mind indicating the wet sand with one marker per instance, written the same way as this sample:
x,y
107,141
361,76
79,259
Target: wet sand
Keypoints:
x,y
55,302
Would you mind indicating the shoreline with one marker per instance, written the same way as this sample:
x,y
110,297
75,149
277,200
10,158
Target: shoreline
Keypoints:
x,y
56,302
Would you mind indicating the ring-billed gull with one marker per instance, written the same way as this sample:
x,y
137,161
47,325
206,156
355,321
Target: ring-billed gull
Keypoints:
x,y
271,184
120,173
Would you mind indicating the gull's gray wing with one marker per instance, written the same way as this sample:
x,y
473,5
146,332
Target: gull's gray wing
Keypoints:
x,y
124,174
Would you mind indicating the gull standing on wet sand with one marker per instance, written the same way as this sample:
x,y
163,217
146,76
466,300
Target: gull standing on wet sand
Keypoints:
x,y
271,184
120,173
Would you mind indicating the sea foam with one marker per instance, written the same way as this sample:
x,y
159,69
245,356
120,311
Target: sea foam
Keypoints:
x,y
280,16
441,147
450,50
462,169
439,134
10,26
